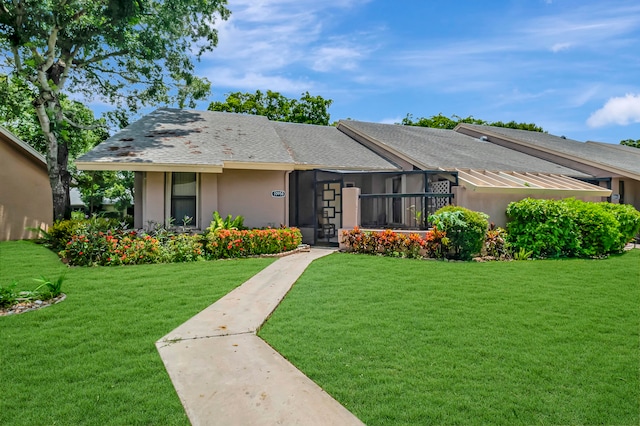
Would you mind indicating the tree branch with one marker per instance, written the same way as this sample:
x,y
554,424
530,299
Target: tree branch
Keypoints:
x,y
82,63
16,58
82,126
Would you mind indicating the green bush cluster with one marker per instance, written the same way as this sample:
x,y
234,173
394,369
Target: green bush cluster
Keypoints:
x,y
570,228
60,233
465,229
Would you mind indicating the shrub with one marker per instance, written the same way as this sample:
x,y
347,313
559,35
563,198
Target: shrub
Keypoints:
x,y
436,243
230,243
358,241
465,230
184,248
61,232
598,229
550,228
495,243
544,227
387,242
48,289
8,295
228,223
628,222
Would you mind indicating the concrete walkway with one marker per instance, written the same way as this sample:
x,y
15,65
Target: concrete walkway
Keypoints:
x,y
225,375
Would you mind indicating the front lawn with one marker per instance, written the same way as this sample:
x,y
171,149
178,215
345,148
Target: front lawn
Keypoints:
x,y
406,342
91,359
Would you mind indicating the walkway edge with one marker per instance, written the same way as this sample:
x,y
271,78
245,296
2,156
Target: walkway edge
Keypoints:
x,y
225,374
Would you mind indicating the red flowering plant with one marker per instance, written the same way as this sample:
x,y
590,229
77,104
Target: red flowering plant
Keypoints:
x,y
436,243
86,248
385,242
496,244
230,243
359,241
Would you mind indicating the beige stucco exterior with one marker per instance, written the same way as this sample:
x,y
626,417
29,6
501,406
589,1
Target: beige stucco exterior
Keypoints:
x,y
246,193
495,204
25,192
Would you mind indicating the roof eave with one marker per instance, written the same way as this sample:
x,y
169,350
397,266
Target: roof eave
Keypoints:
x,y
148,167
520,142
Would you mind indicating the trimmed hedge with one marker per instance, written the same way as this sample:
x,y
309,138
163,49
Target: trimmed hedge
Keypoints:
x,y
570,227
465,229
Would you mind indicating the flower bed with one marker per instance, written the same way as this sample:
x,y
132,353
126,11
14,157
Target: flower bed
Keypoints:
x,y
432,243
87,247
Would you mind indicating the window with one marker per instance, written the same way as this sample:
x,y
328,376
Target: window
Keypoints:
x,y
183,197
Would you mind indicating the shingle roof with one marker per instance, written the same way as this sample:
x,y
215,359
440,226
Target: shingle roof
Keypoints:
x,y
446,149
172,136
590,151
327,147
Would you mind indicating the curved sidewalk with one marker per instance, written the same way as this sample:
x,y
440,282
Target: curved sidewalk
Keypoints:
x,y
225,375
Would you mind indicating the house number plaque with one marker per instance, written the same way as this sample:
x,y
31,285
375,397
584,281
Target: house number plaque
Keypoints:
x,y
278,193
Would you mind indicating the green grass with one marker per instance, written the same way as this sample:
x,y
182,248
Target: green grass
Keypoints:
x,y
413,342
91,359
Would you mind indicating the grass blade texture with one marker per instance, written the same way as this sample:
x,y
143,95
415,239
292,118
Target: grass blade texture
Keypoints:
x,y
91,359
406,342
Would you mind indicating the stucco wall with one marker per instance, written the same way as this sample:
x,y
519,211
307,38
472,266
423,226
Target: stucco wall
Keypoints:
x,y
236,192
248,193
25,194
495,205
208,198
632,192
153,198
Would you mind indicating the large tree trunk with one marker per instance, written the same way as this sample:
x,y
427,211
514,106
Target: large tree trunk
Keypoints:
x,y
57,162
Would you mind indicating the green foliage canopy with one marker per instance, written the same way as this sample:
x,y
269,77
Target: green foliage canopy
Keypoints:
x,y
441,122
277,107
127,53
631,142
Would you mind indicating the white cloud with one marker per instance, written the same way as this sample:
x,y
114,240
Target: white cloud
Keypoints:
x,y
620,110
329,58
558,47
266,42
251,81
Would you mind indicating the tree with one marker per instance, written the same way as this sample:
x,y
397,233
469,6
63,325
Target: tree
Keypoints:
x,y
441,122
631,142
129,53
273,105
96,186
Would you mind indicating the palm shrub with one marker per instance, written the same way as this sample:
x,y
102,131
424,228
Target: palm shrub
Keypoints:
x,y
229,222
465,229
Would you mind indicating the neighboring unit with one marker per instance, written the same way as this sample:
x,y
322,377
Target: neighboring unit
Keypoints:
x,y
25,192
616,167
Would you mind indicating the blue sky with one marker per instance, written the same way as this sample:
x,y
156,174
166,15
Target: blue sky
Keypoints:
x,y
572,67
